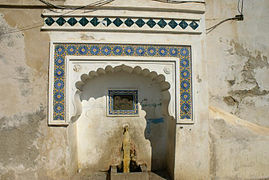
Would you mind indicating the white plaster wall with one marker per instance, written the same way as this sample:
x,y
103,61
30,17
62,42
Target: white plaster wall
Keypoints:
x,y
100,137
237,60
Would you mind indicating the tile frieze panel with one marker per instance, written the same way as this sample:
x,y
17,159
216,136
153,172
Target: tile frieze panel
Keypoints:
x,y
58,72
99,23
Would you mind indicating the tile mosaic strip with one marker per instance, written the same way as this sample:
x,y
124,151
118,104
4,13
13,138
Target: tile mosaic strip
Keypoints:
x,y
62,50
121,22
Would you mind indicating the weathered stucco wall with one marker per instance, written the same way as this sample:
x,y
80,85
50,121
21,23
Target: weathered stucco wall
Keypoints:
x,y
29,148
238,71
32,150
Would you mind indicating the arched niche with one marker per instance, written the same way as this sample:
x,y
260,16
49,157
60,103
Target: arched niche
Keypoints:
x,y
109,70
98,136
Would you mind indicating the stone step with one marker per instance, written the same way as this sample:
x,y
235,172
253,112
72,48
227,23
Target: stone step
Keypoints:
x,y
118,176
153,176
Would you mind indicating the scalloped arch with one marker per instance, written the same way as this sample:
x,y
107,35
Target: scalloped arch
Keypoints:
x,y
160,78
85,78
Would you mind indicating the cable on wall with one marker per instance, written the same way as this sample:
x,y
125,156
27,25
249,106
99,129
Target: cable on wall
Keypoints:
x,y
93,5
99,3
180,2
240,6
239,17
51,5
23,29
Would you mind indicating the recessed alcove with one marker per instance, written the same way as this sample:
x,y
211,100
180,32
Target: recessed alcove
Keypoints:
x,y
99,135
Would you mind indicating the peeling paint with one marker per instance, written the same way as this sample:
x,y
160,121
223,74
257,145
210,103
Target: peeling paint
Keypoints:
x,y
17,136
29,148
198,79
253,62
237,54
229,100
9,175
261,75
249,93
155,121
152,121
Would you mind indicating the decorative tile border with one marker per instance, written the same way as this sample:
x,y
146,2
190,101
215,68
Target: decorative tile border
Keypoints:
x,y
122,23
111,109
62,50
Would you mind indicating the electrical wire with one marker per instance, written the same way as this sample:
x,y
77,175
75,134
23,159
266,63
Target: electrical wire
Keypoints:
x,y
92,5
181,2
240,10
103,2
237,17
25,28
52,5
208,30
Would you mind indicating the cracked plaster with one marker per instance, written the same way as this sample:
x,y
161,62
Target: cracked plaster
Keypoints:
x,y
238,84
237,54
29,148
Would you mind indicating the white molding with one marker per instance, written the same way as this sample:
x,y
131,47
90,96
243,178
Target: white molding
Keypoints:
x,y
121,43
